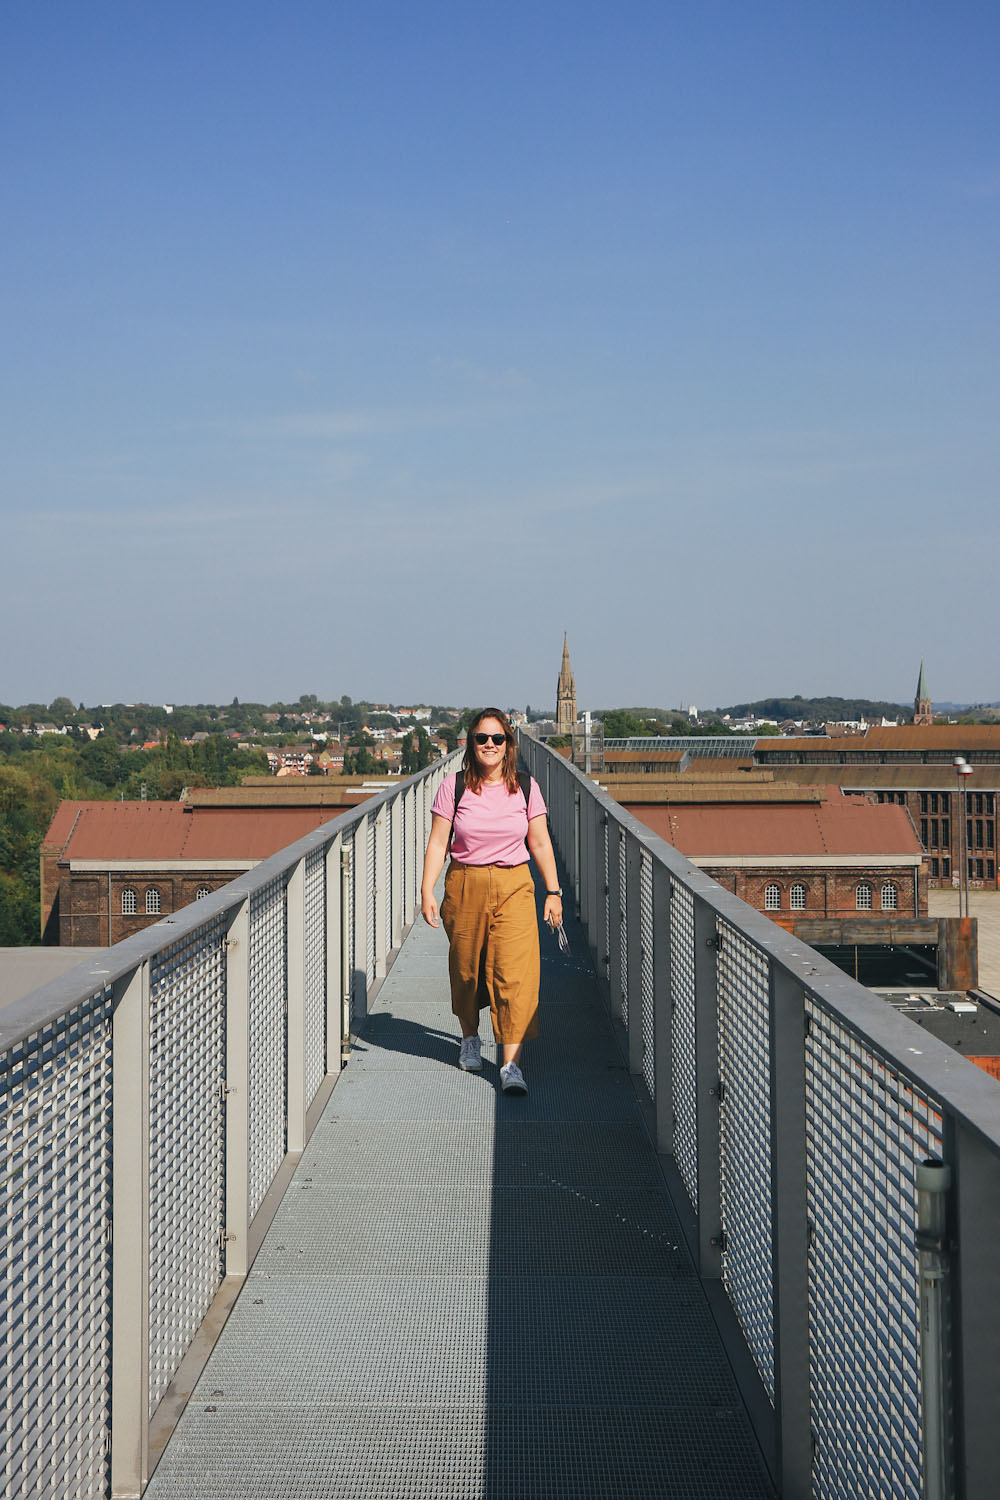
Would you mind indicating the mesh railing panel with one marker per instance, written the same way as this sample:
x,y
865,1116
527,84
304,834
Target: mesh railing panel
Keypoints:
x,y
315,971
623,923
391,856
745,1141
55,1270
647,987
187,1068
268,1080
683,1032
351,932
867,1130
405,835
372,902
608,929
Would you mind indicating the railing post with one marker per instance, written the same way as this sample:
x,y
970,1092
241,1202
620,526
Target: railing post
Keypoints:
x,y
707,1083
237,1087
334,1059
633,978
933,1180
616,905
396,868
130,1237
663,1060
295,959
790,1236
360,876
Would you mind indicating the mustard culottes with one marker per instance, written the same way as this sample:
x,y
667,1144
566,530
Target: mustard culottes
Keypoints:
x,y
489,915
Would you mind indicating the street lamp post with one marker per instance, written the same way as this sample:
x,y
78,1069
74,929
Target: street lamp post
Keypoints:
x,y
962,769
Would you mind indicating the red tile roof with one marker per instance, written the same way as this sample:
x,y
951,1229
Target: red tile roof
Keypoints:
x,y
845,827
151,831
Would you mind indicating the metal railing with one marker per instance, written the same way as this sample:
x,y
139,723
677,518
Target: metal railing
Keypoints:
x,y
155,1101
837,1168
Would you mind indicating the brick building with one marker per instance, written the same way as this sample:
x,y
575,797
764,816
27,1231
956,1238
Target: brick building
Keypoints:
x,y
911,766
814,854
110,869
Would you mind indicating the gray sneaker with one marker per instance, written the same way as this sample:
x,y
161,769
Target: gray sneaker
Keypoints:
x,y
470,1054
512,1079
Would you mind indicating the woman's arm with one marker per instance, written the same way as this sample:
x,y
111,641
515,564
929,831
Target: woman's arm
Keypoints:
x,y
540,849
437,853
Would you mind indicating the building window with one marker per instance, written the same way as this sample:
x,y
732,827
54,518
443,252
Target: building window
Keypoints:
x,y
934,802
772,898
946,869
797,898
201,893
979,833
890,897
935,869
991,870
863,897
979,802
128,902
988,803
923,832
152,903
945,832
979,869
923,802
934,833
989,833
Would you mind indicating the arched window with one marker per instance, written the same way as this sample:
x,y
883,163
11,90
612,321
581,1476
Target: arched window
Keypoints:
x,y
201,892
128,902
772,898
863,897
152,902
797,898
890,897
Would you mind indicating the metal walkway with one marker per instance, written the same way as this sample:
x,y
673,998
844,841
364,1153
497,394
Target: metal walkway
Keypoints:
x,y
469,1297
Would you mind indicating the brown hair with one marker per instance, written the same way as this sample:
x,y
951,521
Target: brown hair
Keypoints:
x,y
471,773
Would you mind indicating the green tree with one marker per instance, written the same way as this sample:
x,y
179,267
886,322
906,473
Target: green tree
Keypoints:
x,y
621,723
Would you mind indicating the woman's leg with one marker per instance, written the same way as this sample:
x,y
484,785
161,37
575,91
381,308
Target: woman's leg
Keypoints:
x,y
513,964
465,918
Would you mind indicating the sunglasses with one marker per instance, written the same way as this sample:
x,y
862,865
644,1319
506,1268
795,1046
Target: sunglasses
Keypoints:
x,y
483,739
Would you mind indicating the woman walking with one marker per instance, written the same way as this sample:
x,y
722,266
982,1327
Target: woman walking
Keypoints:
x,y
494,826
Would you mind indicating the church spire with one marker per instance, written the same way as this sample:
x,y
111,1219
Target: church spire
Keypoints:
x,y
922,711
565,694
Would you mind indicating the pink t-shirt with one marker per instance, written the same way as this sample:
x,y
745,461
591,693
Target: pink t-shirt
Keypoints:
x,y
491,826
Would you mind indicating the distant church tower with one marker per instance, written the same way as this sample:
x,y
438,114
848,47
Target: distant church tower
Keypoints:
x,y
565,695
922,711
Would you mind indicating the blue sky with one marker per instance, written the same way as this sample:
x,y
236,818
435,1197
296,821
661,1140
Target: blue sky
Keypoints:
x,y
354,349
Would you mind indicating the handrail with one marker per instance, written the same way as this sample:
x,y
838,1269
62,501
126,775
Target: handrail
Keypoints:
x,y
794,1112
156,1098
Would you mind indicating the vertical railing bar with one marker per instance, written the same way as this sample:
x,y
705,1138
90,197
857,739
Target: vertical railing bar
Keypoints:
x,y
295,969
790,1237
130,1235
237,1091
707,1091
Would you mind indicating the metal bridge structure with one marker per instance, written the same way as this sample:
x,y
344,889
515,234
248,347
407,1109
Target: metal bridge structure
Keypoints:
x,y
740,1239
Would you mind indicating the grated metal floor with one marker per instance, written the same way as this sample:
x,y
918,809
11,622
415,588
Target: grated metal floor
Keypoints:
x,y
468,1297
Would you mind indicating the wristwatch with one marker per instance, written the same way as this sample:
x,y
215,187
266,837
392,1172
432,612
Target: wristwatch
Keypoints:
x,y
556,892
